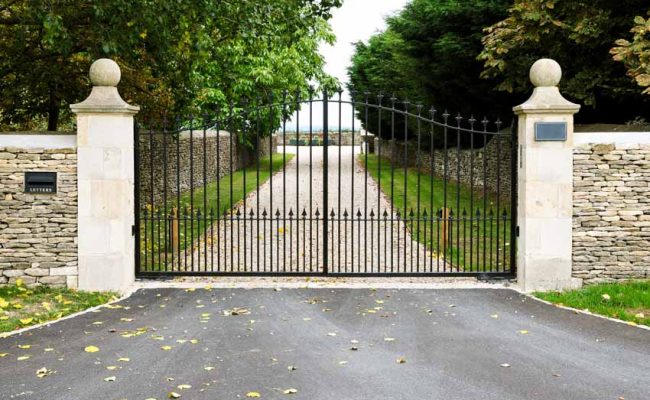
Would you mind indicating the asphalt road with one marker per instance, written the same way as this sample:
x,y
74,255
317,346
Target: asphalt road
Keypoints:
x,y
329,344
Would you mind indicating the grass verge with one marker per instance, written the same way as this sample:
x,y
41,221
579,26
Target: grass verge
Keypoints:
x,y
627,301
21,306
476,242
198,210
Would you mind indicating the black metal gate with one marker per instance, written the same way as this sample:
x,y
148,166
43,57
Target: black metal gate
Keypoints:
x,y
321,186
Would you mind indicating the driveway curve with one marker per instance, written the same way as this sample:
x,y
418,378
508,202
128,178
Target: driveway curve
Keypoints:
x,y
329,344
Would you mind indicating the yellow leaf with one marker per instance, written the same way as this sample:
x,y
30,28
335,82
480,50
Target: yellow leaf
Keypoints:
x,y
19,282
126,319
3,303
290,391
4,318
523,332
253,394
111,367
24,346
48,349
173,395
206,368
3,355
91,349
110,379
43,372
22,358
166,348
124,359
184,386
26,321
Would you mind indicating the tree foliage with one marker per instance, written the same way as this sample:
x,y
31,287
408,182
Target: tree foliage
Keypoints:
x,y
579,35
635,55
176,57
427,55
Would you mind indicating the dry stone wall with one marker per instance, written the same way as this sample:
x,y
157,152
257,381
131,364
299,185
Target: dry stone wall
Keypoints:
x,y
191,159
38,232
611,212
488,166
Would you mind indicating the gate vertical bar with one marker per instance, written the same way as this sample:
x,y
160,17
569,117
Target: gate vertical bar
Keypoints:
x,y
514,160
136,193
325,178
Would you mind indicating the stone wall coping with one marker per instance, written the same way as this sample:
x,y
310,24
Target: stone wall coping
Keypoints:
x,y
580,138
37,140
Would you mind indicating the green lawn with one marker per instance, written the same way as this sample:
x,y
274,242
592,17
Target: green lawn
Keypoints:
x,y
193,221
21,306
628,301
478,254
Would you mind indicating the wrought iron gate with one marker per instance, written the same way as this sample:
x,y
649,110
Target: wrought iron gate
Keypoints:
x,y
274,190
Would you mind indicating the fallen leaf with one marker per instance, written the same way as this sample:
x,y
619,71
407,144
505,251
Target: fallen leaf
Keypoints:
x,y
3,355
173,395
184,386
606,297
495,316
504,365
253,394
110,379
208,368
291,368
331,334
126,319
290,391
91,349
26,321
111,367
401,360
43,372
523,332
166,348
389,339
342,362
24,346
124,359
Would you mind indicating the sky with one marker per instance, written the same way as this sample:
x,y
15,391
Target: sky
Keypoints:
x,y
355,21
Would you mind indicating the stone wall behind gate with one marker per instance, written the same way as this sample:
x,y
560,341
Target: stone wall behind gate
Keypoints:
x,y
489,166
186,156
38,232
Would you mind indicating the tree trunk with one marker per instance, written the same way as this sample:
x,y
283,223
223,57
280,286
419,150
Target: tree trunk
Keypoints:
x,y
54,109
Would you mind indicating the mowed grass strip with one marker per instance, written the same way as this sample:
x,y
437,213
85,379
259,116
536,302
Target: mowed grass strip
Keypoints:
x,y
198,209
627,301
476,243
22,306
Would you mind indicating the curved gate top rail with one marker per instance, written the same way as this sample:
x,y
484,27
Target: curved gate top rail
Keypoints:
x,y
326,186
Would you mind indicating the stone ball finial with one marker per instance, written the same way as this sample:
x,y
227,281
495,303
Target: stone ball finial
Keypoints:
x,y
105,72
545,72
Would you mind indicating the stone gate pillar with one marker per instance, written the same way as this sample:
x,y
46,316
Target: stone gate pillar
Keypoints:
x,y
545,183
105,167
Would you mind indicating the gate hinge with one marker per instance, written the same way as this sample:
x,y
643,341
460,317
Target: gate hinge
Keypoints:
x,y
517,231
132,230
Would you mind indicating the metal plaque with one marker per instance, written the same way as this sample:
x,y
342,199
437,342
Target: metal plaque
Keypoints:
x,y
550,131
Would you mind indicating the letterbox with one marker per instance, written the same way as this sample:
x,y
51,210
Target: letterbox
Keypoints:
x,y
40,182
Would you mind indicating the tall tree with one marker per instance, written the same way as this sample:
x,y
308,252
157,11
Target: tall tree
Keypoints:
x,y
635,54
579,35
428,55
176,57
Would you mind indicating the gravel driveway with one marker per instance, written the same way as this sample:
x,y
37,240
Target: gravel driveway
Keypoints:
x,y
362,237
328,344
